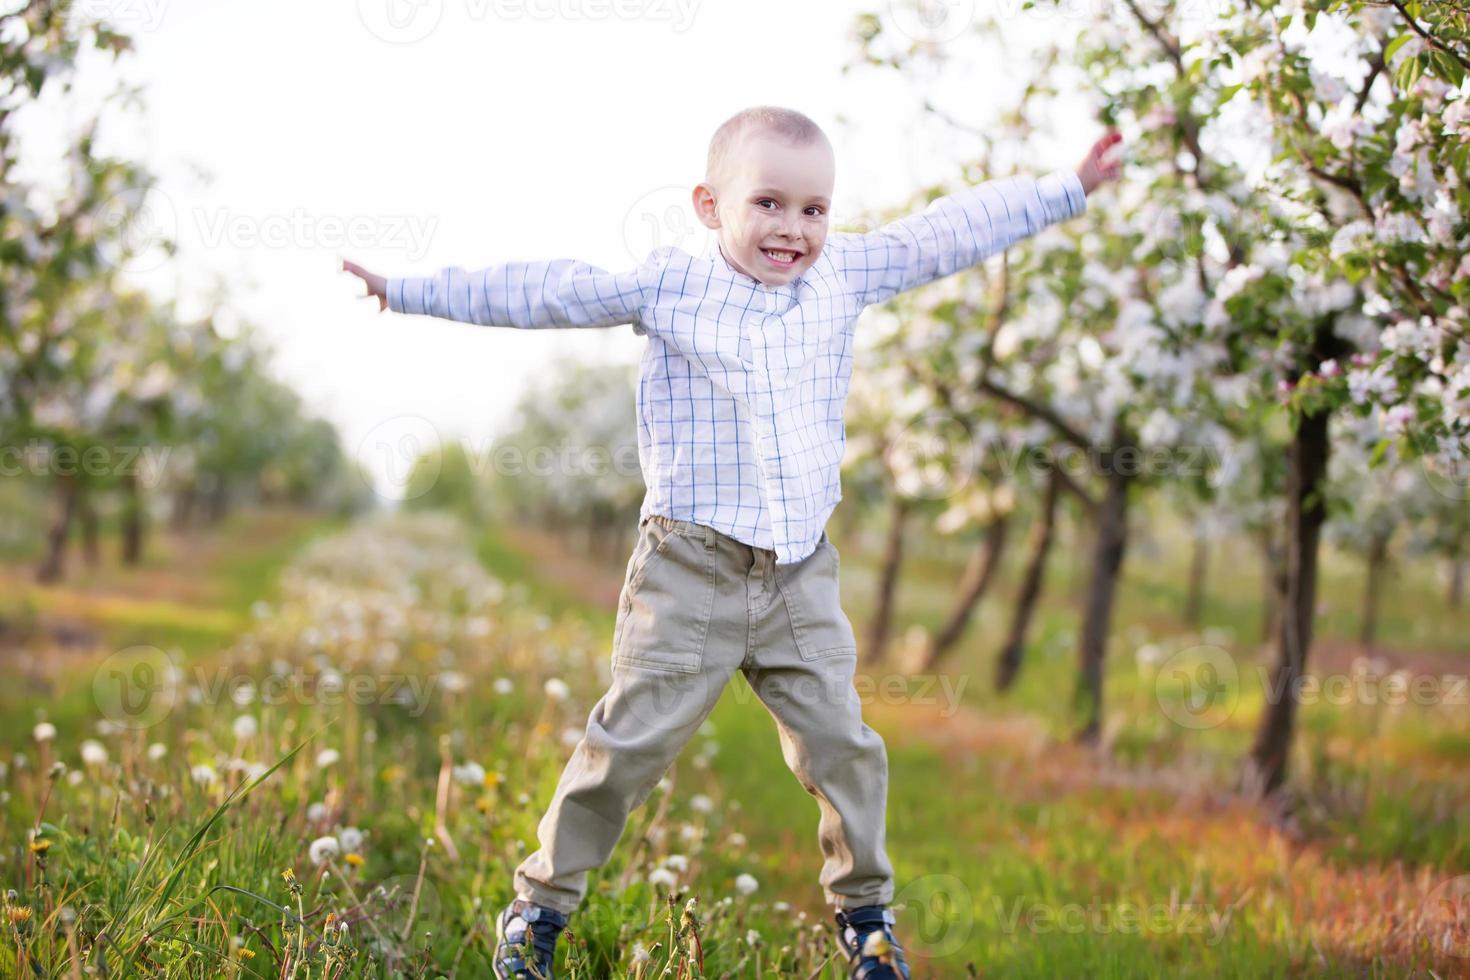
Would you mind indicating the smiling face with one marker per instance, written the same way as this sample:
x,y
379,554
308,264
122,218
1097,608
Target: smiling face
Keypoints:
x,y
770,206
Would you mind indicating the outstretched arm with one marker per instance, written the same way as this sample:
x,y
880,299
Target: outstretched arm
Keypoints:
x,y
531,295
961,229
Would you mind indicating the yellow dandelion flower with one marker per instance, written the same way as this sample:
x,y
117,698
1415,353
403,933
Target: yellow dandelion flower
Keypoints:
x,y
541,730
331,921
246,954
484,804
18,914
289,875
40,846
492,779
355,859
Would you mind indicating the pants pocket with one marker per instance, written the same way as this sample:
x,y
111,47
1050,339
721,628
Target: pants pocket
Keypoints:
x,y
666,603
814,603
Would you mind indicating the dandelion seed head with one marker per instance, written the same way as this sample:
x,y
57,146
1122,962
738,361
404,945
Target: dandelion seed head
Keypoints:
x,y
323,848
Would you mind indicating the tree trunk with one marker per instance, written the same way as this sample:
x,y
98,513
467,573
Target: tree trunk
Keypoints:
x,y
218,501
1273,586
1107,562
1377,558
847,518
182,510
133,521
880,624
1199,565
1455,594
1008,664
1306,470
54,564
87,521
979,573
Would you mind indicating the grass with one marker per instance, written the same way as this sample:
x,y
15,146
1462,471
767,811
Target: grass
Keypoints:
x,y
418,743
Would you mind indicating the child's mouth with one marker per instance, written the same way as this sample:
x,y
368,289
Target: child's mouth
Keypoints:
x,y
781,259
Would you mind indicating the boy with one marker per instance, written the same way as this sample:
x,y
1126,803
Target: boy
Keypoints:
x,y
740,433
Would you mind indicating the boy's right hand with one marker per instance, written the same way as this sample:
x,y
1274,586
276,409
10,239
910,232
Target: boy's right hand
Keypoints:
x,y
1103,162
376,285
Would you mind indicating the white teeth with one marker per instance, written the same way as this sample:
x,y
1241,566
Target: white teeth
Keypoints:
x,y
781,256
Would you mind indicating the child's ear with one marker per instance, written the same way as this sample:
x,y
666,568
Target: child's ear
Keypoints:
x,y
705,208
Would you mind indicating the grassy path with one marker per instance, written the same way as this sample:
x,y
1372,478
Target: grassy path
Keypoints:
x,y
1072,863
1014,853
192,594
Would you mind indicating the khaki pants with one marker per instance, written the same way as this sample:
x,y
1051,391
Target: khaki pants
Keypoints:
x,y
696,606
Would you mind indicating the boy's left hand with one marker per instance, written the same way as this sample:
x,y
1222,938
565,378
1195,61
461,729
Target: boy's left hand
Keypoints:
x,y
1102,163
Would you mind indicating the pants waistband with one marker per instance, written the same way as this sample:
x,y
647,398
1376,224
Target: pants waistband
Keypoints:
x,y
705,533
687,528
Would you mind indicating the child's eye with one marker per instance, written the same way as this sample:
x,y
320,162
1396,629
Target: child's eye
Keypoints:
x,y
817,209
764,201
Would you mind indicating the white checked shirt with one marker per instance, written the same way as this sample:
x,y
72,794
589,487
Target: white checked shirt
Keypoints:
x,y
742,386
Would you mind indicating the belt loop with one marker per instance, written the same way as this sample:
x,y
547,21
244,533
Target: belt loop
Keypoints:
x,y
709,538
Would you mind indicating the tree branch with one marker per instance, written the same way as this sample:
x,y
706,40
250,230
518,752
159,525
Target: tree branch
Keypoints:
x,y
1036,410
1429,38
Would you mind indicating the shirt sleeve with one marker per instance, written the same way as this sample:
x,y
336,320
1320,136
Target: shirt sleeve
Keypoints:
x,y
954,232
532,295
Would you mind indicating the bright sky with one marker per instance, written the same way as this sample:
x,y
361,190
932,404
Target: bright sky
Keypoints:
x,y
467,132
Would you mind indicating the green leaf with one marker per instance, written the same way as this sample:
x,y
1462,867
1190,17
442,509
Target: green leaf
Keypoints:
x,y
1394,45
1446,67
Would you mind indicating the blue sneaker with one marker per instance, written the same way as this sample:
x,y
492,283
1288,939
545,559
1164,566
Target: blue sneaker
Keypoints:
x,y
872,951
525,941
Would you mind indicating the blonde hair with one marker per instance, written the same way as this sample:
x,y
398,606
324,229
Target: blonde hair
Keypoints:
x,y
788,124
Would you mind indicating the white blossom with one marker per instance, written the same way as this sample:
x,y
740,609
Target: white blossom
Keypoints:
x,y
1330,90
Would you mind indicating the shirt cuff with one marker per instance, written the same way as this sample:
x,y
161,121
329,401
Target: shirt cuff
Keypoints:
x,y
406,295
1061,195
